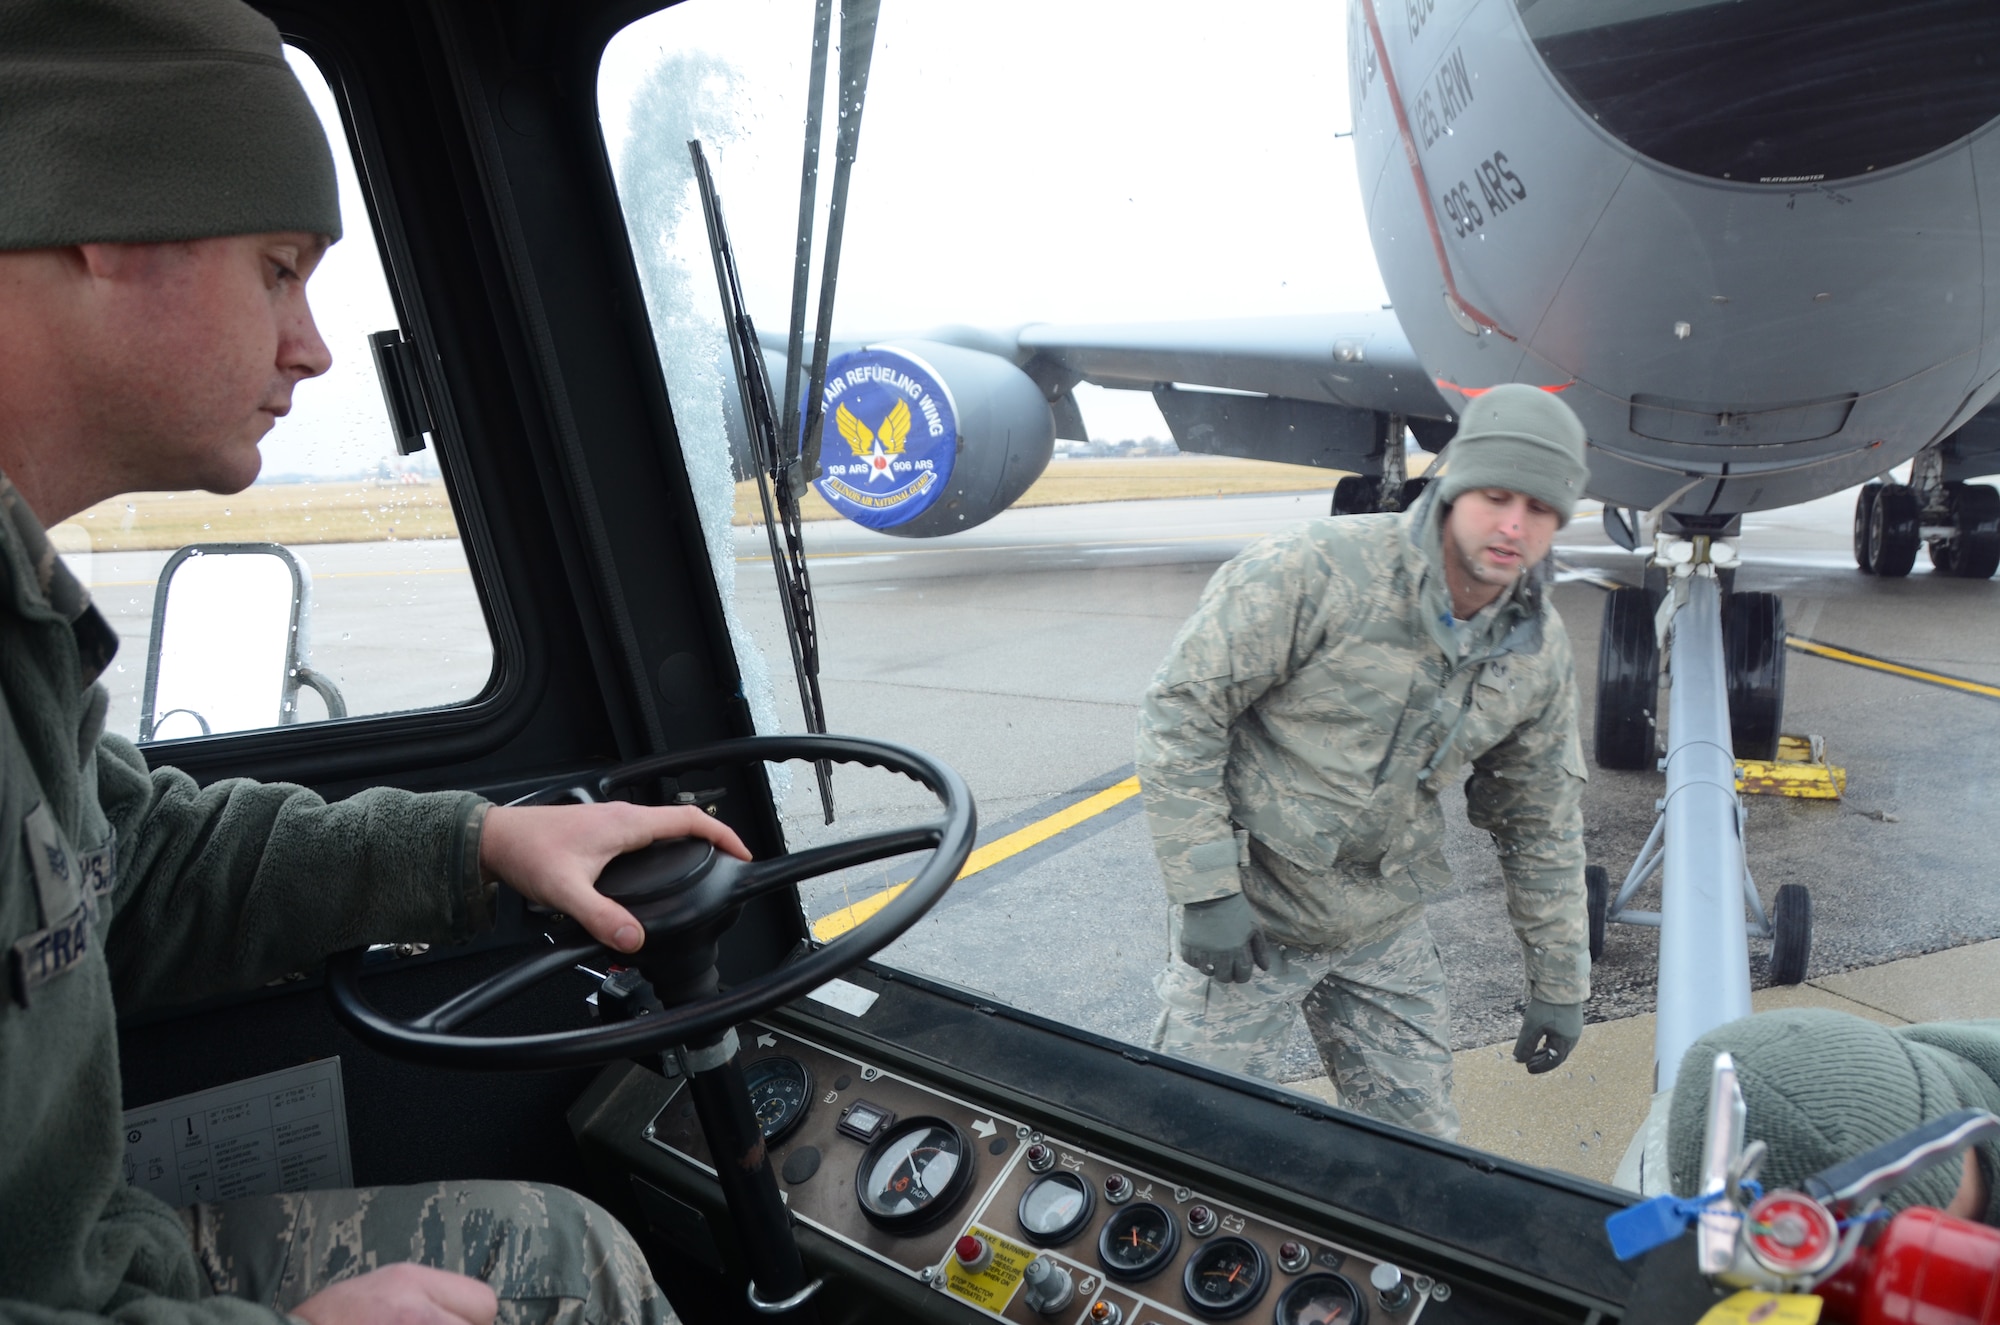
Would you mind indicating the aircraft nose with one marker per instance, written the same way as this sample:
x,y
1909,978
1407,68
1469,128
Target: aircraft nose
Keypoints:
x,y
1772,91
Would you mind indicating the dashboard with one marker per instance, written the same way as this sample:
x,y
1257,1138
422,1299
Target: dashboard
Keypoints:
x,y
945,1160
1022,1225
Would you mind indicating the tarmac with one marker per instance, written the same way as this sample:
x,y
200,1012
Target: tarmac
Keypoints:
x,y
1017,652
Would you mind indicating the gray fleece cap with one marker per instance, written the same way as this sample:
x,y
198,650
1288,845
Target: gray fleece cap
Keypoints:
x,y
1821,1086
1520,438
144,121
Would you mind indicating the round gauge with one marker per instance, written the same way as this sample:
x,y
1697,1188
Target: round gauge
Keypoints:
x,y
780,1090
1321,1299
1055,1208
1225,1277
1138,1241
913,1174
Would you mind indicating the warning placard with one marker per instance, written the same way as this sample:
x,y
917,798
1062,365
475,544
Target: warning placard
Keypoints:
x,y
993,1287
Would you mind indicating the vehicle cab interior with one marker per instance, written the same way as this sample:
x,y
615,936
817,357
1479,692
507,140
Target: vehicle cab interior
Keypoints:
x,y
796,1124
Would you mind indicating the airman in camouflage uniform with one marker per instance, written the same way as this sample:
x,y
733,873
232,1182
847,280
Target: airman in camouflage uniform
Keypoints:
x,y
165,191
1293,745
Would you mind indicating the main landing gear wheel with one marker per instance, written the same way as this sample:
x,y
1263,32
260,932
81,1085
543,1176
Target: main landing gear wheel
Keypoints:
x,y
1864,523
1973,551
1597,896
685,894
1354,495
1413,488
1753,646
1628,681
1895,528
1791,934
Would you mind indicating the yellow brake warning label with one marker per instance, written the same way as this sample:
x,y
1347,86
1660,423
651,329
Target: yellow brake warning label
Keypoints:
x,y
994,1286
1748,1308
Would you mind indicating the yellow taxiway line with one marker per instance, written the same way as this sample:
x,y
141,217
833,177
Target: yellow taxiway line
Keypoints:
x,y
1849,656
835,923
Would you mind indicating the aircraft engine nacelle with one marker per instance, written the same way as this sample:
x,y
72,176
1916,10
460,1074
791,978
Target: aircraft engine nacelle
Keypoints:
x,y
923,439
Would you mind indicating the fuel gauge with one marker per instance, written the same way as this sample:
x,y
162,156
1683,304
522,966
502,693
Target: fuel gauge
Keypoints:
x,y
1138,1241
1321,1299
1225,1277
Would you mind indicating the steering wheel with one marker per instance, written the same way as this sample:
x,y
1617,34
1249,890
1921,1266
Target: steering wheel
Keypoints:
x,y
685,894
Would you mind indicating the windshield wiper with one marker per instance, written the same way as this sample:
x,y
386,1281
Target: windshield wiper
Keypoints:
x,y
785,448
754,387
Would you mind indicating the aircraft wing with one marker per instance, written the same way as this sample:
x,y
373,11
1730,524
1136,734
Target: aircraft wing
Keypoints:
x,y
1359,361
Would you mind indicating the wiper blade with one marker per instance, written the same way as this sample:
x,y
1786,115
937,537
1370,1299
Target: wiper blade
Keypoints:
x,y
781,507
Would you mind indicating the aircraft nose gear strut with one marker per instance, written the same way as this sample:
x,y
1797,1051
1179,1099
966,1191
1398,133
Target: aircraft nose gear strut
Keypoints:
x,y
1697,843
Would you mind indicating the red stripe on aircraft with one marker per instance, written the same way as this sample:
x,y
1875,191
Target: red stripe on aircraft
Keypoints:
x,y
1417,170
1474,392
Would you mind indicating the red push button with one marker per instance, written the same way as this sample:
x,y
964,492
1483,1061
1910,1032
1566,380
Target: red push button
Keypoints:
x,y
973,1253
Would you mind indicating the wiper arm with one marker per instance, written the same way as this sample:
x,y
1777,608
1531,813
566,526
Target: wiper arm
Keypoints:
x,y
781,509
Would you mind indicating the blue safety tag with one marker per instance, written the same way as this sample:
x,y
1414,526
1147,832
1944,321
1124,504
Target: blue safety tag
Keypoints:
x,y
1638,1229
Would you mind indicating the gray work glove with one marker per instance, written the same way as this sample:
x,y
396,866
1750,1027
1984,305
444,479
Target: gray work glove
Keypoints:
x,y
1555,1027
1220,938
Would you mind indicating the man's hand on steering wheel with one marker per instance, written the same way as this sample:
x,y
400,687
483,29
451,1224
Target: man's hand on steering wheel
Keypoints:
x,y
552,855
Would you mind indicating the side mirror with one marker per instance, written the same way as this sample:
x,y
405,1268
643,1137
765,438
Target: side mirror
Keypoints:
x,y
230,646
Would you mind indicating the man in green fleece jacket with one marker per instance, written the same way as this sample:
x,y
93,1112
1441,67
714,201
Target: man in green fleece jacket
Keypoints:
x,y
165,192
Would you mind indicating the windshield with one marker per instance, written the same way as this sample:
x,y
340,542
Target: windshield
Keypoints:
x,y
1113,306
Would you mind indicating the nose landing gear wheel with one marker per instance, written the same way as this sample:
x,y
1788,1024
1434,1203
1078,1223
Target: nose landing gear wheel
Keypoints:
x,y
1753,642
1628,681
1864,522
1791,937
1895,528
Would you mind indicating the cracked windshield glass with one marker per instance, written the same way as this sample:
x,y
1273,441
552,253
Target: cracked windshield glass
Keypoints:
x,y
1093,364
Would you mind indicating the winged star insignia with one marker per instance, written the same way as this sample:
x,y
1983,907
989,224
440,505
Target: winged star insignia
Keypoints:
x,y
877,446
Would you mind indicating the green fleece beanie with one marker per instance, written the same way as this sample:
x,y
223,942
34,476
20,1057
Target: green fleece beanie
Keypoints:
x,y
1821,1086
142,121
1520,438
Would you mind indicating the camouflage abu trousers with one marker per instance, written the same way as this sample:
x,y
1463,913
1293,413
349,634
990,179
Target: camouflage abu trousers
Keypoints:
x,y
1378,1013
549,1254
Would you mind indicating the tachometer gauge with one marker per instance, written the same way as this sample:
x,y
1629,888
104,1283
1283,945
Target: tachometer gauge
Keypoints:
x,y
1055,1208
780,1090
913,1175
1225,1277
1138,1241
1321,1299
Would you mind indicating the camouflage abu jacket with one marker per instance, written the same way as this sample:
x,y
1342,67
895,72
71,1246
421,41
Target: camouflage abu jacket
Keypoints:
x,y
1293,744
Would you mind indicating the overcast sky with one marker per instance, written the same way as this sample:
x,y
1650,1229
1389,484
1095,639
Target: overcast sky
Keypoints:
x,y
1049,161
1045,161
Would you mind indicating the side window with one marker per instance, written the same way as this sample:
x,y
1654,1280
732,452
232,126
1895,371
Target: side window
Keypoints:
x,y
335,585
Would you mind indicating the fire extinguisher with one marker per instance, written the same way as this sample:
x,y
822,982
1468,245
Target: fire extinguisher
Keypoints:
x,y
1925,1268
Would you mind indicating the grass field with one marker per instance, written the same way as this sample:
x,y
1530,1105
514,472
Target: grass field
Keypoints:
x,y
1073,482
368,512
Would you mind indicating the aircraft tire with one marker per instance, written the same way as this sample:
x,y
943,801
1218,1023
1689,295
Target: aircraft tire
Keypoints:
x,y
1975,513
1864,520
1895,529
1753,648
1791,934
1597,893
1413,488
1353,495
1628,682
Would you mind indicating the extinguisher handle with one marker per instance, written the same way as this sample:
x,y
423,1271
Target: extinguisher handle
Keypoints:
x,y
1854,1182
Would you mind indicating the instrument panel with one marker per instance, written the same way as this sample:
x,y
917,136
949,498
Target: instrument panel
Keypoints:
x,y
1022,1226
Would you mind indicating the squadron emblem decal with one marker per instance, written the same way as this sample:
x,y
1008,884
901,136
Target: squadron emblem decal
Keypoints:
x,y
890,437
